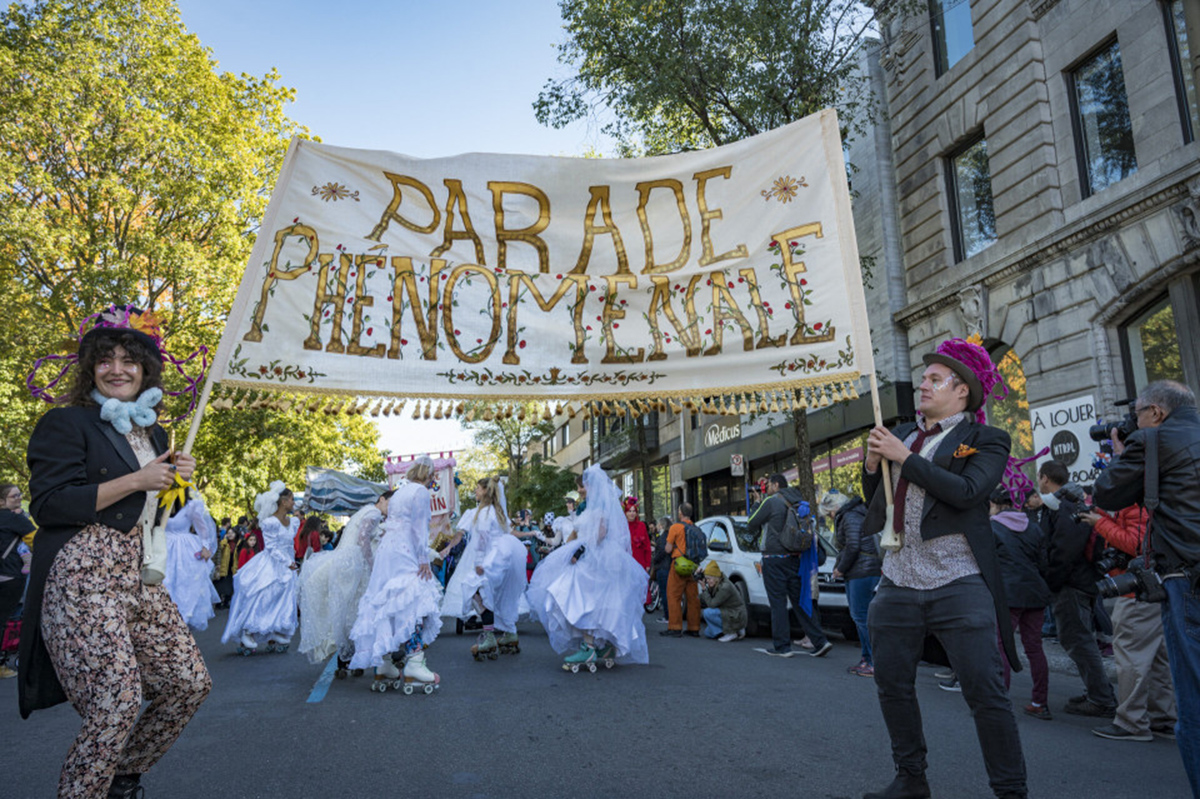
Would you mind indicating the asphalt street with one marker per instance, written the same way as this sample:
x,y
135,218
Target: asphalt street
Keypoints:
x,y
704,719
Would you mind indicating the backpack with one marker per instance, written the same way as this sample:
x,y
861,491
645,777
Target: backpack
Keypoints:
x,y
696,542
797,533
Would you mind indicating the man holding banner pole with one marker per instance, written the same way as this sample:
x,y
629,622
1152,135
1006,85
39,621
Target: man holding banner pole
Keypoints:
x,y
942,579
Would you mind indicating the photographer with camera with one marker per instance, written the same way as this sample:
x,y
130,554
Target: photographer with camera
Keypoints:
x,y
1146,704
1164,464
1072,577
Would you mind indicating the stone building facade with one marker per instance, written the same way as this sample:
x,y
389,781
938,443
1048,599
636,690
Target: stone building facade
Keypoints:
x,y
1049,180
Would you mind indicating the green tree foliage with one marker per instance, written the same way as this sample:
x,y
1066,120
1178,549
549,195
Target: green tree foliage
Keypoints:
x,y
131,170
675,75
510,436
543,487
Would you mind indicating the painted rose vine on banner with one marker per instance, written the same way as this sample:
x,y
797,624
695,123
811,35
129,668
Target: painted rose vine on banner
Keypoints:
x,y
729,273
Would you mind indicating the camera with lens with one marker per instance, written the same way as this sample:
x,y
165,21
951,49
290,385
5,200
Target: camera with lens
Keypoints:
x,y
1125,428
1111,558
1139,579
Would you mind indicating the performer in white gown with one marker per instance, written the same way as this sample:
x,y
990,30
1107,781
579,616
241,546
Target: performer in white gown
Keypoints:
x,y
188,577
332,583
400,609
490,578
264,590
588,593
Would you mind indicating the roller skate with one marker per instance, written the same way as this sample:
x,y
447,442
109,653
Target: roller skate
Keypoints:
x,y
584,658
247,645
387,676
278,642
509,644
606,654
485,647
418,677
343,669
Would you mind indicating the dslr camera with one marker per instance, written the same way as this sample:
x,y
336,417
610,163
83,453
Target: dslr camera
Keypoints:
x,y
1139,579
1125,428
1112,558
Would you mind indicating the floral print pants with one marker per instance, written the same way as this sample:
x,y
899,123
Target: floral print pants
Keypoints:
x,y
116,642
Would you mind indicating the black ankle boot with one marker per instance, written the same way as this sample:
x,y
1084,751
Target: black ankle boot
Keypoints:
x,y
906,786
126,786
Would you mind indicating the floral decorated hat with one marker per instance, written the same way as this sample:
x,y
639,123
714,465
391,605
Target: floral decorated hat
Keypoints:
x,y
146,327
629,503
970,361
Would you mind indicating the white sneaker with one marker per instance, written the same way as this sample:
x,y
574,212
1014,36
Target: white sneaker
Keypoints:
x,y
727,637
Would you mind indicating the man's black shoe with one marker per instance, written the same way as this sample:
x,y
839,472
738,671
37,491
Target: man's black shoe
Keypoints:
x,y
905,786
126,786
692,633
671,633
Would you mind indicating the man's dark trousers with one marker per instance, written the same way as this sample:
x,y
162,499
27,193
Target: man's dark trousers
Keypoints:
x,y
781,579
962,615
1073,612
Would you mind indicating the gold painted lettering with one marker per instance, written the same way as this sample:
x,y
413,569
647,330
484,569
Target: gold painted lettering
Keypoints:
x,y
529,234
518,280
793,270
764,319
689,334
362,300
389,213
613,312
448,312
706,216
676,187
404,287
457,199
600,202
335,298
274,273
725,307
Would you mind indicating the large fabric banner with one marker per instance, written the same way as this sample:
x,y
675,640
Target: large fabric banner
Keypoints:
x,y
731,271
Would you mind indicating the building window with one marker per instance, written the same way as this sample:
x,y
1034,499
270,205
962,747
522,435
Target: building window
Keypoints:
x,y
953,37
1181,68
1100,118
970,188
1153,351
566,434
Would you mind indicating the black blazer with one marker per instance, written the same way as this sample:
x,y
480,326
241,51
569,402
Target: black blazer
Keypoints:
x,y
956,501
70,453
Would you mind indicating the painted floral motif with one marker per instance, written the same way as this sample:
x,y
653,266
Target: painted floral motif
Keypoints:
x,y
273,371
334,191
554,377
784,189
812,363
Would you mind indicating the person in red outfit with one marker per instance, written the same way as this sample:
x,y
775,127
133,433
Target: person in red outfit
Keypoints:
x,y
639,536
309,537
248,548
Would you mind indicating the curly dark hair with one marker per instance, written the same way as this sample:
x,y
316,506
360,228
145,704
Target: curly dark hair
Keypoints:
x,y
96,348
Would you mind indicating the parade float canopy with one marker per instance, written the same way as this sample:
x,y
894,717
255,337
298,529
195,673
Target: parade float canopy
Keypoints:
x,y
716,276
331,491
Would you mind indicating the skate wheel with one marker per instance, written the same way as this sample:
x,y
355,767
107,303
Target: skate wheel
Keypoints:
x,y
356,673
408,689
428,689
592,668
574,668
609,663
493,655
341,674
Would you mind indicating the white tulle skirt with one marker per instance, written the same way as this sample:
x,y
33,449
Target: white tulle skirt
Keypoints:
x,y
601,594
264,599
188,580
501,586
331,584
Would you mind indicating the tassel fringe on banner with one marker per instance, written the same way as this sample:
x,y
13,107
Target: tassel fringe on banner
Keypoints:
x,y
770,400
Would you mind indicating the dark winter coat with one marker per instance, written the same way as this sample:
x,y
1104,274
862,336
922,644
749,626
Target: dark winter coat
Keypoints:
x,y
1020,546
728,598
13,527
857,557
956,501
1066,551
771,515
71,452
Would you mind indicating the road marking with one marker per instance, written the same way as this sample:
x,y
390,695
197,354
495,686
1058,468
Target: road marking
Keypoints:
x,y
321,686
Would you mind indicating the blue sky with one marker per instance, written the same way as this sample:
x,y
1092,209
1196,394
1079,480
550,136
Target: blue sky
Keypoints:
x,y
426,78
